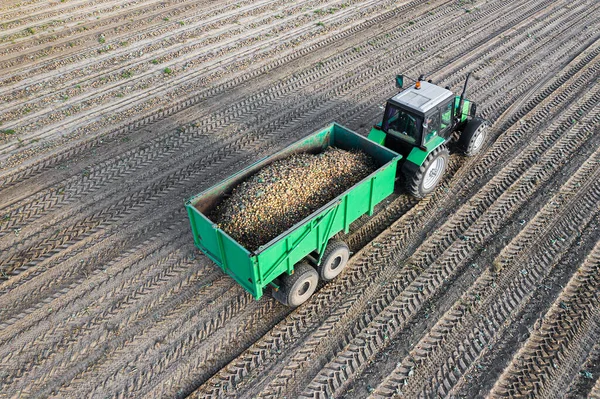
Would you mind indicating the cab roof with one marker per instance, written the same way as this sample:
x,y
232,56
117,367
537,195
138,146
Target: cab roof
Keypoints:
x,y
423,99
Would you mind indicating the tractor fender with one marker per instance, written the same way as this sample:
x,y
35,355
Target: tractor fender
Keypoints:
x,y
377,135
418,154
409,168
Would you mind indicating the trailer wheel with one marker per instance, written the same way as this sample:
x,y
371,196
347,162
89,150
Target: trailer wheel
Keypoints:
x,y
334,260
298,287
473,136
429,174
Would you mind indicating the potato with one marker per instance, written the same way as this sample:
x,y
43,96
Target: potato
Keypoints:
x,y
286,191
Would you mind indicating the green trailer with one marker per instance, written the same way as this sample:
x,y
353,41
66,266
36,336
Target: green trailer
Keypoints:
x,y
294,262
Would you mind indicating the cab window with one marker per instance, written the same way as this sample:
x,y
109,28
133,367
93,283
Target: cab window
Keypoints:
x,y
402,124
431,126
446,116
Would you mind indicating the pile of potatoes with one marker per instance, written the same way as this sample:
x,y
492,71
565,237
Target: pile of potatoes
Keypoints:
x,y
286,191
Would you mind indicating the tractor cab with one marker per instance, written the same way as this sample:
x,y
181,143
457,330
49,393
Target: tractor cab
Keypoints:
x,y
417,116
419,122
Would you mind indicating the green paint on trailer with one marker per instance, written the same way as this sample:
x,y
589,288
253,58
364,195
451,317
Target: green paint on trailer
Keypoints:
x,y
254,270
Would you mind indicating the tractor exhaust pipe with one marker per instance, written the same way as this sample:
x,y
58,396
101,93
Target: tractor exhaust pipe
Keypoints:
x,y
462,97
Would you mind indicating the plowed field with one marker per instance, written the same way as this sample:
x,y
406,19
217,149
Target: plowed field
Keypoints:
x,y
114,112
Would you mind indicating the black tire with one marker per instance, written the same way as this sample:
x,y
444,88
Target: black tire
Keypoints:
x,y
297,288
429,174
473,137
334,260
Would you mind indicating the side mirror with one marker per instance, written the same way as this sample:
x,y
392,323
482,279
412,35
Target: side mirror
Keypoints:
x,y
399,81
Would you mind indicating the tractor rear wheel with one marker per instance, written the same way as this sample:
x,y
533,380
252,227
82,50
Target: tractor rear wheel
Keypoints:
x,y
473,136
295,289
429,174
334,260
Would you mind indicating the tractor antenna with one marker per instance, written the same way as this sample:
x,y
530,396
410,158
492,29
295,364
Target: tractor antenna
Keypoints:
x,y
462,97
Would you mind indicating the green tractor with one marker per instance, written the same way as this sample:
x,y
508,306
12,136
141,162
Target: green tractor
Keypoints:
x,y
420,122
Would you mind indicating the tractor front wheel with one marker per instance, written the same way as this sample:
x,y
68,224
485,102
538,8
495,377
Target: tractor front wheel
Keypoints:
x,y
429,174
295,289
473,136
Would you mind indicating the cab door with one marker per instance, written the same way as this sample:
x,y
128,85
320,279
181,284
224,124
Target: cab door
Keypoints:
x,y
431,126
446,118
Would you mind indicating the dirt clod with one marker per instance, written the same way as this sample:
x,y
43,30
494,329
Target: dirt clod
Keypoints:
x,y
286,191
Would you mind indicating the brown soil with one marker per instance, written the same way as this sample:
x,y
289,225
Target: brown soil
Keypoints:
x,y
115,112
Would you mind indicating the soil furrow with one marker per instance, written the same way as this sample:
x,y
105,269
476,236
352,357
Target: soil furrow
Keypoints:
x,y
582,383
573,316
180,82
141,73
188,135
539,249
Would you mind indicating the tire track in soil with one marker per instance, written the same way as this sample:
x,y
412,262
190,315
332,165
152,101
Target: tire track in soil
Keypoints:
x,y
30,255
395,215
481,374
117,283
212,275
223,379
567,332
91,259
137,315
281,378
189,303
595,392
477,380
293,83
584,379
92,179
190,344
239,368
377,369
451,349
